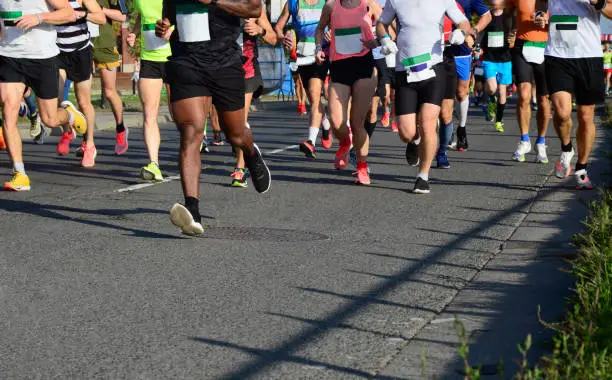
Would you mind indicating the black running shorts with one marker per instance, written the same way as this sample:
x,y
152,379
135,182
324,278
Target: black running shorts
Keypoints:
x,y
349,70
527,72
42,75
313,71
224,84
153,70
450,72
410,96
584,77
77,64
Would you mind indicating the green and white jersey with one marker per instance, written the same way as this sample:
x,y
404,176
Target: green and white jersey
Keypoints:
x,y
574,30
152,48
36,43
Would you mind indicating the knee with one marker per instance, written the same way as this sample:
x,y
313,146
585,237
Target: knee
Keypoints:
x,y
406,134
585,119
49,119
563,114
109,92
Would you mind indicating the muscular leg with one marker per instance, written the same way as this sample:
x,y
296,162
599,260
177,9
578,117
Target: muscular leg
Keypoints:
x,y
523,109
429,139
109,86
82,91
585,135
150,95
361,97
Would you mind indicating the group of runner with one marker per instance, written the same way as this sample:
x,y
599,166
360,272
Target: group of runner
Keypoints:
x,y
412,57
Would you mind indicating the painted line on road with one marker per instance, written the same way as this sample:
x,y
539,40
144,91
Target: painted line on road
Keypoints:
x,y
144,185
280,150
442,320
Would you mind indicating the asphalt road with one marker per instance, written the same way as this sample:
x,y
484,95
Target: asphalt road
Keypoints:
x,y
317,279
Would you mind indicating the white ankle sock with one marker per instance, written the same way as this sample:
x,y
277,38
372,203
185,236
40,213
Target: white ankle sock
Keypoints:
x,y
19,167
424,176
313,133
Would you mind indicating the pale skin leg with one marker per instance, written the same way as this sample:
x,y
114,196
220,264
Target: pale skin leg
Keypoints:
x,y
608,76
314,97
109,85
446,114
82,91
429,138
562,117
361,97
339,96
585,135
150,95
523,109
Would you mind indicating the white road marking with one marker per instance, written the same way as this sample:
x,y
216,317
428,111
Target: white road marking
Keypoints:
x,y
276,151
149,184
442,320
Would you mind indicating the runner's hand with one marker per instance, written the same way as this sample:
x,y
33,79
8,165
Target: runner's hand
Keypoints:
x,y
287,41
511,38
162,27
388,47
540,19
457,37
131,39
27,22
370,44
251,28
320,56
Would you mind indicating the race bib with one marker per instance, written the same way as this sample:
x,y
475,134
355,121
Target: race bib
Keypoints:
x,y
564,30
348,41
10,33
417,68
94,29
495,39
305,61
152,42
192,22
306,47
533,52
479,71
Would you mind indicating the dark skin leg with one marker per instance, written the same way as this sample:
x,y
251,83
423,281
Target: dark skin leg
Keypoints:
x,y
235,130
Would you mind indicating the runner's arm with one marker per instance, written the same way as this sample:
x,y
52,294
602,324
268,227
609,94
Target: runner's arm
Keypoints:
x,y
267,32
240,8
386,19
458,18
282,21
375,9
323,23
63,13
94,12
114,15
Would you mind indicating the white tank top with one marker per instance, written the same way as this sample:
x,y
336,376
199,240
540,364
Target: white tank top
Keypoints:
x,y
37,43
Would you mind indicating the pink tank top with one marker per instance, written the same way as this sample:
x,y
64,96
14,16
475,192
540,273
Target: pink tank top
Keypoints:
x,y
349,27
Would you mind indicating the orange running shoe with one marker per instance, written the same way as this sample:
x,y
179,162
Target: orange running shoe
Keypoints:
x,y
363,177
386,119
63,147
121,143
2,142
394,127
307,147
89,156
342,155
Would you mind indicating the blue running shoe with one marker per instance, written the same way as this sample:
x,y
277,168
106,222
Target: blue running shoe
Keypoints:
x,y
442,161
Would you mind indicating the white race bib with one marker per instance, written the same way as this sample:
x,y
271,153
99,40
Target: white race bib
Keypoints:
x,y
348,41
417,68
192,22
10,33
479,71
564,30
152,42
495,39
306,61
533,52
306,47
94,29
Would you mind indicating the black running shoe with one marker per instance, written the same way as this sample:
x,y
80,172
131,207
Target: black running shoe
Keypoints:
x,y
462,141
259,171
421,186
412,154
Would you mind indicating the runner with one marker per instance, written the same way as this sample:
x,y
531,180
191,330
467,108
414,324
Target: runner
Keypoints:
x,y
253,28
305,15
75,63
107,60
528,66
574,65
420,71
497,65
291,49
352,75
154,52
28,53
607,59
206,66
480,95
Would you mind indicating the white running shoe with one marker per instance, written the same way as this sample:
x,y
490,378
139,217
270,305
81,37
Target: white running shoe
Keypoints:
x,y
182,218
522,149
542,157
583,182
563,167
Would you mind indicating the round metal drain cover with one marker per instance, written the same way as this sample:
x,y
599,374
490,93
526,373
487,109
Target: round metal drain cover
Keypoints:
x,y
261,234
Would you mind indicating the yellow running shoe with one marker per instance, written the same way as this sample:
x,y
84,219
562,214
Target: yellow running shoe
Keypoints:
x,y
499,127
151,172
79,124
19,182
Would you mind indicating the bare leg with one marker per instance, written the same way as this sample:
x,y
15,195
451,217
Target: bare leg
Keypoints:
x,y
150,95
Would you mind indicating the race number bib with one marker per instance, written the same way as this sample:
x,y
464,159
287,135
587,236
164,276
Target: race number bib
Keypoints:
x,y
417,68
495,39
479,71
348,41
152,42
10,33
564,30
306,47
192,22
94,29
533,52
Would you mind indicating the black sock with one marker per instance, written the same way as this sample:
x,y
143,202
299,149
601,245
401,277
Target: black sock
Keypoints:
x,y
370,127
461,132
193,205
566,148
120,127
500,112
580,166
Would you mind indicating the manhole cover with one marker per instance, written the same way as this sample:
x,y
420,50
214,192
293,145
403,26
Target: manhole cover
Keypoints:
x,y
261,234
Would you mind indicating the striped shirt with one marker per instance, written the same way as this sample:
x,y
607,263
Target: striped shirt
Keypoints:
x,y
74,35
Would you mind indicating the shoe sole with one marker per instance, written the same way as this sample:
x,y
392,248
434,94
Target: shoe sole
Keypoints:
x,y
307,152
518,159
16,189
419,191
181,217
148,175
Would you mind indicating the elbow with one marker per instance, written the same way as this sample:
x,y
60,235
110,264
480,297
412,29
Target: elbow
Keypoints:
x,y
254,9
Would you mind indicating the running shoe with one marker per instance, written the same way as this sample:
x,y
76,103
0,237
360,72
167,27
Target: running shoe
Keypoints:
x,y
204,146
307,147
362,175
40,139
63,147
79,123
239,178
534,106
121,144
462,141
183,219
522,149
385,119
394,127
353,157
19,182
499,126
81,151
421,186
542,157
23,109
151,172
302,109
89,156
563,166
342,155
218,139
491,110
412,152
582,180
35,125
259,171
2,142
326,136
442,160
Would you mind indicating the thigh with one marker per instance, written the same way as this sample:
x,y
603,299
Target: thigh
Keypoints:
x,y
81,65
190,113
432,91
186,82
43,76
339,95
150,92
590,86
82,91
109,78
490,70
11,93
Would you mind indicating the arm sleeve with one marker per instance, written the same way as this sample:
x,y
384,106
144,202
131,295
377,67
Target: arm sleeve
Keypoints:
x,y
388,14
480,7
454,13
